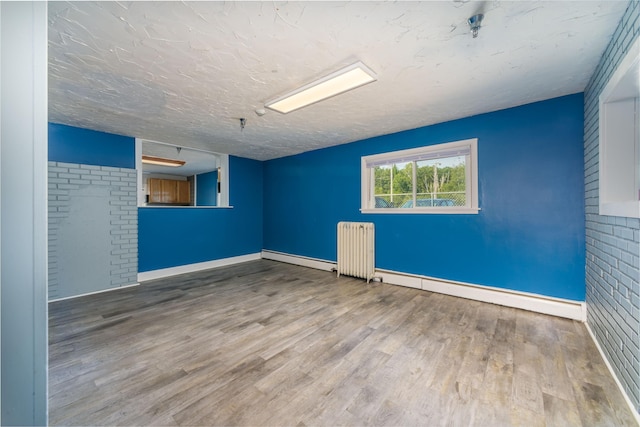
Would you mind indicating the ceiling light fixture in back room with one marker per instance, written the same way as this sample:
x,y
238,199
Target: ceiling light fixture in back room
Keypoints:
x,y
161,161
341,81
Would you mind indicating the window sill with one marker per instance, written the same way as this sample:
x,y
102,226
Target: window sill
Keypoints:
x,y
629,209
430,211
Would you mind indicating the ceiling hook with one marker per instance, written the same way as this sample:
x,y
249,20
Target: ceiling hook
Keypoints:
x,y
475,23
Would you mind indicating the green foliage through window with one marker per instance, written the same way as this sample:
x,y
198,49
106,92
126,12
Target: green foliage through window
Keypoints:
x,y
438,182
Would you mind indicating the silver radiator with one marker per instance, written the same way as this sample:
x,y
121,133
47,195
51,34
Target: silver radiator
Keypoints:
x,y
356,250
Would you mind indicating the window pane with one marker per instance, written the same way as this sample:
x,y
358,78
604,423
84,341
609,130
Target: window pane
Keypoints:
x,y
441,182
393,185
437,179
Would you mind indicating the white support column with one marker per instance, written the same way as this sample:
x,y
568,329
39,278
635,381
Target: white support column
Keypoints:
x,y
23,212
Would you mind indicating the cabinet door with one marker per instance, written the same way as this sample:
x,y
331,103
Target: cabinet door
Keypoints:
x,y
169,191
155,190
183,196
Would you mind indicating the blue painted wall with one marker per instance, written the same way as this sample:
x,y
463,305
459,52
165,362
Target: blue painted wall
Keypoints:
x,y
207,189
170,237
529,235
89,147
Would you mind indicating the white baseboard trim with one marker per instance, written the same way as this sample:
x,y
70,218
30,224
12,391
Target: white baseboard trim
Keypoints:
x,y
569,309
400,279
94,292
318,264
190,268
559,307
532,302
613,374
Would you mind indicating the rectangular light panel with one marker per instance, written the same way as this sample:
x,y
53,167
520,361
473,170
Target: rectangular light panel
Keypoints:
x,y
161,161
341,81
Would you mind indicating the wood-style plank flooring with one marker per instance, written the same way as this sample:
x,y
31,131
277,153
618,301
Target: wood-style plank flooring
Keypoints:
x,y
266,343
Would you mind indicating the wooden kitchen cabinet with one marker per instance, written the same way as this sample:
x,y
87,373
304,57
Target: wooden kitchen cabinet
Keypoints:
x,y
154,187
169,191
183,192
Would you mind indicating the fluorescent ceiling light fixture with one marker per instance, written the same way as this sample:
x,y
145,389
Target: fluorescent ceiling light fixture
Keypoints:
x,y
341,81
161,161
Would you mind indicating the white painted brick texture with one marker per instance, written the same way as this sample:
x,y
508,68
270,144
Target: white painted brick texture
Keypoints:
x,y
123,238
613,243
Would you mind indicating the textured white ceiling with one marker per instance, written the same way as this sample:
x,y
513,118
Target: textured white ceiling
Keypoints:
x,y
185,73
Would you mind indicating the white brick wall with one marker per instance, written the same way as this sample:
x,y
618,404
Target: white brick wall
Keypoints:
x,y
613,243
65,180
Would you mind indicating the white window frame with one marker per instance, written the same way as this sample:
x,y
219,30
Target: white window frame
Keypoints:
x,y
367,184
619,139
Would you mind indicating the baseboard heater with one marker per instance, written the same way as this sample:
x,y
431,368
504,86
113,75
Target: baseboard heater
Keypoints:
x,y
356,249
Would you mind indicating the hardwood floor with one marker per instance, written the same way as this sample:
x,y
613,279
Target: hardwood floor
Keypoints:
x,y
266,343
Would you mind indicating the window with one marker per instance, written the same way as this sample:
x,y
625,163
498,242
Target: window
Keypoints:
x,y
619,139
438,179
